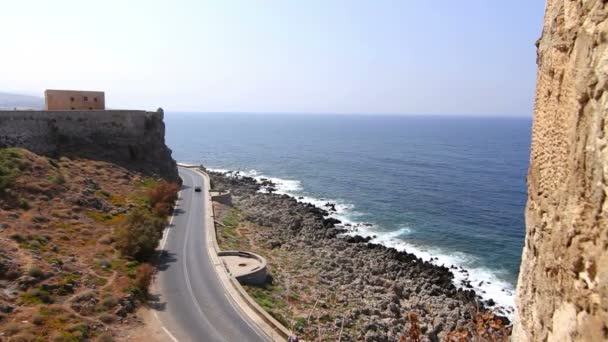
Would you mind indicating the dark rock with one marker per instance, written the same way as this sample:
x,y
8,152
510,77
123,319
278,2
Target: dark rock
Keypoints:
x,y
357,239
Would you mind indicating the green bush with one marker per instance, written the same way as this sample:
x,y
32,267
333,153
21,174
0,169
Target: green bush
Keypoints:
x,y
24,204
37,296
10,161
58,179
35,272
139,236
109,302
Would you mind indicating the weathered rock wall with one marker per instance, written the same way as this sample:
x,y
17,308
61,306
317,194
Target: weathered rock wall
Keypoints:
x,y
562,292
134,139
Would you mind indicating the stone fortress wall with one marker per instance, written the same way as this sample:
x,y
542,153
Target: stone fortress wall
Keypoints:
x,y
130,138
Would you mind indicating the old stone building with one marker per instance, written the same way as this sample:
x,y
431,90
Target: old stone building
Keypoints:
x,y
73,100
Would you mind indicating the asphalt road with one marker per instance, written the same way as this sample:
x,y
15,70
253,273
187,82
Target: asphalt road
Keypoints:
x,y
192,304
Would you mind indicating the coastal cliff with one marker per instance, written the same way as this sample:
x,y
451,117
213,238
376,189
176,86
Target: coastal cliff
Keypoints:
x,y
562,292
129,138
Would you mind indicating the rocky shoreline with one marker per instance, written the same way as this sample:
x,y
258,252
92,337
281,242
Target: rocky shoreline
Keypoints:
x,y
376,288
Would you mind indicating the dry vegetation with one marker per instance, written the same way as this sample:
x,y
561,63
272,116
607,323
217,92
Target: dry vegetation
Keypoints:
x,y
75,236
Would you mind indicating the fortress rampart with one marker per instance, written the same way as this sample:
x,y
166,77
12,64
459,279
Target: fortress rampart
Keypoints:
x,y
130,138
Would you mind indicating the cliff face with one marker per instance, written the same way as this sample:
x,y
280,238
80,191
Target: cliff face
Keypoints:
x,y
562,292
133,139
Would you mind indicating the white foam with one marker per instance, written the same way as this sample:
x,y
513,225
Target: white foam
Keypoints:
x,y
487,283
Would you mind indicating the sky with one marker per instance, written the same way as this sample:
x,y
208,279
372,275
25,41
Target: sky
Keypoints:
x,y
471,57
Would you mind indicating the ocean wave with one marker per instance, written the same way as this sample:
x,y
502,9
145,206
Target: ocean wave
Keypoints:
x,y
487,283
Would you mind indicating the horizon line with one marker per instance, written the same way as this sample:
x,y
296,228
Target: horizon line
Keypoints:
x,y
475,115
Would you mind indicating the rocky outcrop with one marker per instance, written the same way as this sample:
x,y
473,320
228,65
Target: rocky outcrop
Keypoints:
x,y
562,292
130,138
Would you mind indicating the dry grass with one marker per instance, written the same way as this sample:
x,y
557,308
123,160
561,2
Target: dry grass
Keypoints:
x,y
64,247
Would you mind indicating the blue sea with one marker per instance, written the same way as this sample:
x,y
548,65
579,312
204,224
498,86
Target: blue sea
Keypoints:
x,y
448,188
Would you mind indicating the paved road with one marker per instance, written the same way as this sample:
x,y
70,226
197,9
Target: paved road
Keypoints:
x,y
192,304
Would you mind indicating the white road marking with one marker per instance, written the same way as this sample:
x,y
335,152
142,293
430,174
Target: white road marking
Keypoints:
x,y
165,329
164,242
162,247
169,333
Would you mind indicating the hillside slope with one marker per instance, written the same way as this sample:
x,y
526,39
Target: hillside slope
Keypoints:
x,y
71,257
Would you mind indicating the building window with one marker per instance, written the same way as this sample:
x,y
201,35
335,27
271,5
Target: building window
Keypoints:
x,y
71,99
86,98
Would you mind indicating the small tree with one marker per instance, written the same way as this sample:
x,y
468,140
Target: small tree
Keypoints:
x,y
162,209
143,278
163,192
138,237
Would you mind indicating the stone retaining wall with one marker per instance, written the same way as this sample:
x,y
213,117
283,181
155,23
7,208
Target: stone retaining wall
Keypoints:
x,y
224,197
257,276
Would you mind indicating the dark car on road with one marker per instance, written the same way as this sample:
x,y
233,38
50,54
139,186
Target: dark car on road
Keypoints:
x,y
197,188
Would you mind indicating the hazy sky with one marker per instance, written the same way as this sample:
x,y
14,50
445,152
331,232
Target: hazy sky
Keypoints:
x,y
426,57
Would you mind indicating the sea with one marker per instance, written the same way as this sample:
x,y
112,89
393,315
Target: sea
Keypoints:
x,y
450,189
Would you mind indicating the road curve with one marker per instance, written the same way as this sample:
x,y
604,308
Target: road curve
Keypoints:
x,y
192,304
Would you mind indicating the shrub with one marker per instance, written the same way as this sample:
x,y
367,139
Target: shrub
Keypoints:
x,y
37,296
58,179
106,318
109,302
143,278
38,319
35,272
17,237
24,204
7,177
79,330
163,192
162,209
138,237
10,159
